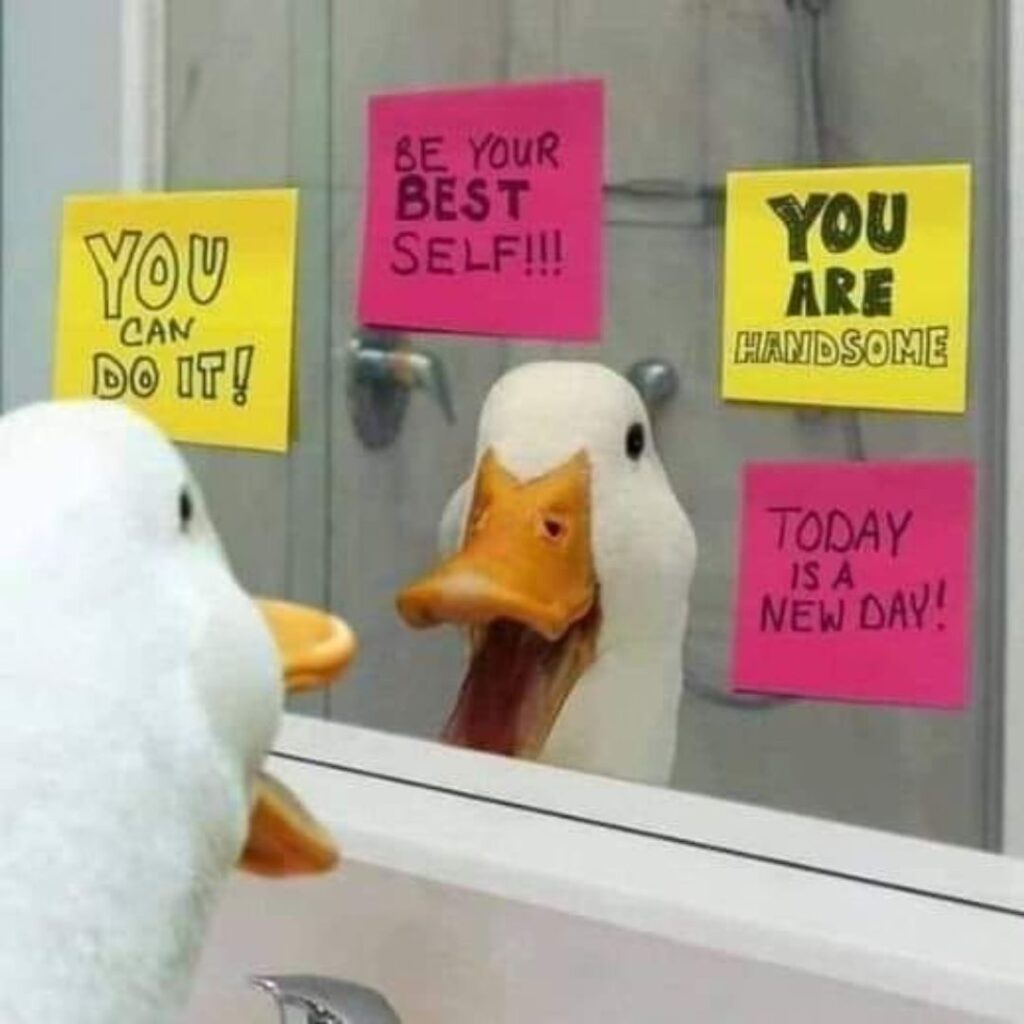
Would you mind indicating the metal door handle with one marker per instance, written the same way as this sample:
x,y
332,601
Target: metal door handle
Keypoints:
x,y
382,370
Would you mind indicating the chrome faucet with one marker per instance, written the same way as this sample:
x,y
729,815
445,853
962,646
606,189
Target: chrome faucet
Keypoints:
x,y
312,999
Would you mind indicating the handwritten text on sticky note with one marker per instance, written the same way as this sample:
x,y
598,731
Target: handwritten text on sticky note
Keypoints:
x,y
483,211
181,305
848,286
855,581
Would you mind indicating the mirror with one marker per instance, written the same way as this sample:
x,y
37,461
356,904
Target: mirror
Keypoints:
x,y
276,94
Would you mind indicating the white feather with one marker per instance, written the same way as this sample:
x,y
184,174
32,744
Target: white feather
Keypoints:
x,y
139,690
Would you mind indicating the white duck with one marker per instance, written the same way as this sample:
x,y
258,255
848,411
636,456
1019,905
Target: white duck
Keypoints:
x,y
139,691
572,566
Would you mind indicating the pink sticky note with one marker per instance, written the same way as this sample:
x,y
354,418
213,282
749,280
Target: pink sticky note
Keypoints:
x,y
483,211
855,582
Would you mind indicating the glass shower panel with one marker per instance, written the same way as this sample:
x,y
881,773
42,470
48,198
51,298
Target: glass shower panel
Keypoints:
x,y
694,88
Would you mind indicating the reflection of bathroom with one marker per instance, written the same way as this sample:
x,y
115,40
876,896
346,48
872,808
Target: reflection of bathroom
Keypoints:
x,y
694,89
452,906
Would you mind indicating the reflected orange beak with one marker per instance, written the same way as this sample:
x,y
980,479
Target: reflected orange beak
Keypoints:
x,y
525,584
526,556
284,838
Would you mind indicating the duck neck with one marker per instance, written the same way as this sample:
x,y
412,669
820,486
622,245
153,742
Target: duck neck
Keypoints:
x,y
621,717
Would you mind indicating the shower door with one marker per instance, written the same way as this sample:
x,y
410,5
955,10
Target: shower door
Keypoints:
x,y
694,88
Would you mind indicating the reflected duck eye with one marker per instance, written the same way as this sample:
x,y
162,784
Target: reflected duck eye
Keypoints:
x,y
635,441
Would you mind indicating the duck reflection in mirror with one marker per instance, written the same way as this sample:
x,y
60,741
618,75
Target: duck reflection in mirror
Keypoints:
x,y
569,560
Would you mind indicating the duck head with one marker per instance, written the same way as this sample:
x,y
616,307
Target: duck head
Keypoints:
x,y
113,567
569,561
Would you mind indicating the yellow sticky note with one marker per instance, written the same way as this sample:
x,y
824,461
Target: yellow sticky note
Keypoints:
x,y
181,305
848,287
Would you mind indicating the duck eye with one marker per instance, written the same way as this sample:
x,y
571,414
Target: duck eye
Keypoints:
x,y
635,441
185,509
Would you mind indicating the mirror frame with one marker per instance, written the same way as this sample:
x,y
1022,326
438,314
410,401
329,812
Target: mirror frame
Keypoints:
x,y
946,954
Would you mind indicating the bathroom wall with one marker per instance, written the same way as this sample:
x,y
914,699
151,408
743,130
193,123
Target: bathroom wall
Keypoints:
x,y
60,135
444,955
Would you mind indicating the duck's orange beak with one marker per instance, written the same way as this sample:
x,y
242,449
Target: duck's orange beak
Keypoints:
x,y
284,838
525,583
526,556
315,648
